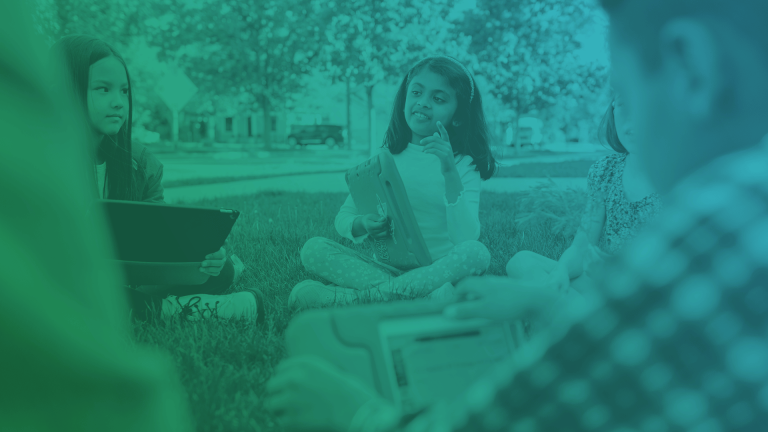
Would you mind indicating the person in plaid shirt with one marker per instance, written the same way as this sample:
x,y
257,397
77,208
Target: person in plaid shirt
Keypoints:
x,y
682,347
675,337
679,340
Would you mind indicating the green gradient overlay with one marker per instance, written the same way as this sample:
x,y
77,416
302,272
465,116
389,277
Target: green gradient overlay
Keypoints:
x,y
260,106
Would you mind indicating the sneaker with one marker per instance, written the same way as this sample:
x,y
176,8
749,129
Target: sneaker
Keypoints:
x,y
248,304
238,265
311,294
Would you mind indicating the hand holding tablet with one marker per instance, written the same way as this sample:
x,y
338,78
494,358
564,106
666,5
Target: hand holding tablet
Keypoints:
x,y
379,195
214,262
376,226
409,352
161,244
307,393
498,298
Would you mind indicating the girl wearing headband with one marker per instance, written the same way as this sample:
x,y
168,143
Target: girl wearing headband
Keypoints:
x,y
439,138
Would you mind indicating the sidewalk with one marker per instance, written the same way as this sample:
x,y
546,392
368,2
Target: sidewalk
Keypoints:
x,y
206,173
330,183
554,158
180,170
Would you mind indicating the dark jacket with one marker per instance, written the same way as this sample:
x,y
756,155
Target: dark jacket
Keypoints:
x,y
148,177
147,174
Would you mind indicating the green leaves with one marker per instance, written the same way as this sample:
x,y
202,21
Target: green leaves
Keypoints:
x,y
525,49
534,51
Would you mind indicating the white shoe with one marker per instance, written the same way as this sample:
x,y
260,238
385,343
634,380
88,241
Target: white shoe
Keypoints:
x,y
445,293
247,304
311,294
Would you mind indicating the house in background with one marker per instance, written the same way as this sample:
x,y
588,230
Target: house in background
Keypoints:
x,y
529,131
226,121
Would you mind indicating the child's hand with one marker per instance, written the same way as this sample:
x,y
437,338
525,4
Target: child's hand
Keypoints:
x,y
596,223
376,226
308,393
214,262
558,279
498,299
440,146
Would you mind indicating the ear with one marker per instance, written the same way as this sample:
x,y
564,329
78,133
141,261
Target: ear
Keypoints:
x,y
456,123
692,59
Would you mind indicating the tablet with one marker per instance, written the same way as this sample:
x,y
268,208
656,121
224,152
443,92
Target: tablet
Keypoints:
x,y
162,244
407,351
376,188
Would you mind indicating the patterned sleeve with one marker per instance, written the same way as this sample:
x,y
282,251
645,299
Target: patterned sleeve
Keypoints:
x,y
595,180
592,181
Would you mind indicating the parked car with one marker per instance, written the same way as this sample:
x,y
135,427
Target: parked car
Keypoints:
x,y
526,135
303,135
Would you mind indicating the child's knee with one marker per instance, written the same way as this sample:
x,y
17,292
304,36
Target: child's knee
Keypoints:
x,y
519,262
478,256
311,250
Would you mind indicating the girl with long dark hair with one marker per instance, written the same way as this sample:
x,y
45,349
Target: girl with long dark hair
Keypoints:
x,y
126,171
439,139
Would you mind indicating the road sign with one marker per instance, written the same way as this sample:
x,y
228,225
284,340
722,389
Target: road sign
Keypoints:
x,y
175,89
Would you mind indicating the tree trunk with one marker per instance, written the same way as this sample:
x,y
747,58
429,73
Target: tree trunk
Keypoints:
x,y
267,118
516,140
517,132
371,120
175,126
349,116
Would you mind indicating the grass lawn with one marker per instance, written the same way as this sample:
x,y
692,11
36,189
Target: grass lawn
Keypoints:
x,y
224,366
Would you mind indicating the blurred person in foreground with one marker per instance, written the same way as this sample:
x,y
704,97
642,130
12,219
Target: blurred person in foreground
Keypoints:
x,y
676,336
67,361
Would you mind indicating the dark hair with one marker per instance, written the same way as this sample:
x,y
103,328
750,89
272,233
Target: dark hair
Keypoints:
x,y
470,138
639,21
607,133
79,52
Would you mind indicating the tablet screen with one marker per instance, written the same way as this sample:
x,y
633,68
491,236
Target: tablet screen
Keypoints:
x,y
158,232
431,357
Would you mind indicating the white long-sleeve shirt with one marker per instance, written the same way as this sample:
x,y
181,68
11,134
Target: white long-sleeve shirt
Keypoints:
x,y
443,225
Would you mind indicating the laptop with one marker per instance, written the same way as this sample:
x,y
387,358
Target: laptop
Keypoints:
x,y
376,188
407,351
162,244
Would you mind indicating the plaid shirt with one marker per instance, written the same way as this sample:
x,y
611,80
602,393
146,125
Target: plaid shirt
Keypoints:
x,y
680,341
